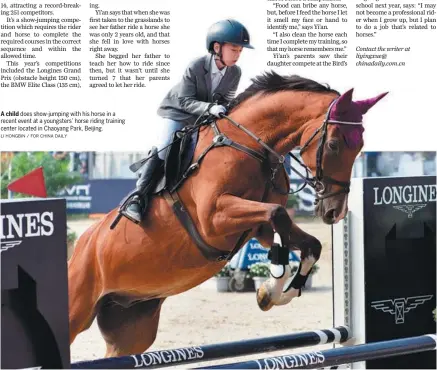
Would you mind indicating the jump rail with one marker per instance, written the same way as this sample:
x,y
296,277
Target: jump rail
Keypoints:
x,y
217,351
339,356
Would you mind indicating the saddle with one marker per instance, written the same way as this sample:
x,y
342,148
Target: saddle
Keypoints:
x,y
175,170
177,160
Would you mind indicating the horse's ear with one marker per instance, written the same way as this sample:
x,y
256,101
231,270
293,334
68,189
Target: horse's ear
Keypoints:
x,y
365,105
344,101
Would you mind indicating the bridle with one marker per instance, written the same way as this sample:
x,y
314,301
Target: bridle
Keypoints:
x,y
317,182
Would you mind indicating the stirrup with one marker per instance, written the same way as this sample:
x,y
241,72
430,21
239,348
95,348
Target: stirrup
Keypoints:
x,y
122,213
125,214
135,200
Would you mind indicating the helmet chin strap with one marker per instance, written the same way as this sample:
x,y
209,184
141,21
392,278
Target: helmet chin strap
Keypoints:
x,y
219,54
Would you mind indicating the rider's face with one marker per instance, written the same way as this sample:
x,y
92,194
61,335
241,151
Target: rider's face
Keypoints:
x,y
230,53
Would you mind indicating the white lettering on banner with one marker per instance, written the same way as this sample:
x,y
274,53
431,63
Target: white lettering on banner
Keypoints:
x,y
405,194
77,196
77,205
408,199
291,361
25,225
169,356
77,190
257,256
256,245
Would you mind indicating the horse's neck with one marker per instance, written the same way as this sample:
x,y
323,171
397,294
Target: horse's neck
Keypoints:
x,y
279,120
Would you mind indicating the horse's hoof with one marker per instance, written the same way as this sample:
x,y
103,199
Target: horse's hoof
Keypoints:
x,y
263,299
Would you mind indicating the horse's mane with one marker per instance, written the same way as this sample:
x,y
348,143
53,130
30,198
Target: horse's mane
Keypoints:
x,y
271,82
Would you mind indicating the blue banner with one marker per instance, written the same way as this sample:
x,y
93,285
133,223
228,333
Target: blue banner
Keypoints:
x,y
78,197
96,196
107,194
253,252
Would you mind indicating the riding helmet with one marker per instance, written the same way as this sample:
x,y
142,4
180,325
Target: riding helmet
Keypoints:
x,y
230,31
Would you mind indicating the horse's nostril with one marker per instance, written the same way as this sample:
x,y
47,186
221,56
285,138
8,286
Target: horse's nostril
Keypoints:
x,y
330,214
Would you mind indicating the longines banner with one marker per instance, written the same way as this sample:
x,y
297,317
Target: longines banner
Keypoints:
x,y
34,308
399,231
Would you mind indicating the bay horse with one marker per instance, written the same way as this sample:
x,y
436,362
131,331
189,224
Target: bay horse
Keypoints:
x,y
235,191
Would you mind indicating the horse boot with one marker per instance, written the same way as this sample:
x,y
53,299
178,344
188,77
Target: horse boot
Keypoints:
x,y
137,201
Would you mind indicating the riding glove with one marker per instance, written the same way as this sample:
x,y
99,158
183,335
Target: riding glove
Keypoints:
x,y
216,110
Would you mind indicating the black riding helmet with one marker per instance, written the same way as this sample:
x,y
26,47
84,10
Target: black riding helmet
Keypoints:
x,y
229,31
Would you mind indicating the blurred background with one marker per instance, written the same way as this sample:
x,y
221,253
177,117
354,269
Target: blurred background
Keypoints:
x,y
95,182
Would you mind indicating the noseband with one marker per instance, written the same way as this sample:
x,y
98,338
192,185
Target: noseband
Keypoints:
x,y
317,182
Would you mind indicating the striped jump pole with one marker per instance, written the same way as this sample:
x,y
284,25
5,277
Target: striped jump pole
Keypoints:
x,y
217,351
339,356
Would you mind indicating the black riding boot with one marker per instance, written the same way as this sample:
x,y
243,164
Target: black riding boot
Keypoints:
x,y
137,201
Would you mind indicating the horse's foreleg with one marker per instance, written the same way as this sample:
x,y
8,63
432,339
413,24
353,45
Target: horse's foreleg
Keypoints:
x,y
233,214
310,253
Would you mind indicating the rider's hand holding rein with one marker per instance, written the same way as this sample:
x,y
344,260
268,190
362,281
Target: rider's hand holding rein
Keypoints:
x,y
217,110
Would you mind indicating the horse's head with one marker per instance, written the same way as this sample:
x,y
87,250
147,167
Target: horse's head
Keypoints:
x,y
331,152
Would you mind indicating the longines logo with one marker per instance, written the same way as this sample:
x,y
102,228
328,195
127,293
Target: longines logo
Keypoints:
x,y
6,245
408,199
166,357
400,306
14,228
410,209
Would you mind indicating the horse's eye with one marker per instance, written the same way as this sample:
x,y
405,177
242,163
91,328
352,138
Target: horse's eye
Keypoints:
x,y
333,145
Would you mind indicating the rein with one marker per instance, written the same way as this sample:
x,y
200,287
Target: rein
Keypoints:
x,y
316,182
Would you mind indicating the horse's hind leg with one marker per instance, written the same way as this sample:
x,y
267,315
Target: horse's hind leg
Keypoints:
x,y
81,310
128,330
82,294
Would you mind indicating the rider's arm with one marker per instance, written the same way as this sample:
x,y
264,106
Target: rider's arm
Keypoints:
x,y
187,95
